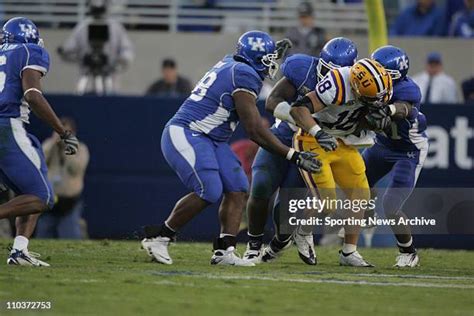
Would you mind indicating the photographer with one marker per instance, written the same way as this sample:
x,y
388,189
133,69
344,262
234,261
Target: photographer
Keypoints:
x,y
101,47
66,174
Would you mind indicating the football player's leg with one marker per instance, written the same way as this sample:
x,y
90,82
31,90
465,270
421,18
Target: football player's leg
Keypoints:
x,y
268,171
235,187
303,235
24,170
378,163
193,159
398,191
349,173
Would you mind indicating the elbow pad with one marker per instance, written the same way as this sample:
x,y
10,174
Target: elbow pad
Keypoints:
x,y
282,112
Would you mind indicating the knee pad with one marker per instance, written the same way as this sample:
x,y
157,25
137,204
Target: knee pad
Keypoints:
x,y
210,189
403,174
392,203
262,184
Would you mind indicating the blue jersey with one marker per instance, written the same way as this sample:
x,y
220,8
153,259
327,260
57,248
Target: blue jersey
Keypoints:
x,y
408,134
14,58
300,70
210,108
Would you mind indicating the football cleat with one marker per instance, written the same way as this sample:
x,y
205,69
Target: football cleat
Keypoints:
x,y
354,259
274,249
254,252
305,244
408,260
157,248
228,257
25,258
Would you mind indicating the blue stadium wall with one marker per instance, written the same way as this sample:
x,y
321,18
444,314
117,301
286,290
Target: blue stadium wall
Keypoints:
x,y
129,184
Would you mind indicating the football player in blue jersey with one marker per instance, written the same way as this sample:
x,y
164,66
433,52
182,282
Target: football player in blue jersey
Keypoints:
x,y
401,146
23,61
195,145
269,171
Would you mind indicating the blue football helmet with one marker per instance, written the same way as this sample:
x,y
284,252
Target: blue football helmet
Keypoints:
x,y
393,59
258,49
338,52
20,31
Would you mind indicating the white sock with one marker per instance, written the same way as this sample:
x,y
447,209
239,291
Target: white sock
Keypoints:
x,y
348,248
405,245
20,242
223,235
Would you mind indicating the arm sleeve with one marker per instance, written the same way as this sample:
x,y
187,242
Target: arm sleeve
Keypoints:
x,y
246,79
330,90
37,58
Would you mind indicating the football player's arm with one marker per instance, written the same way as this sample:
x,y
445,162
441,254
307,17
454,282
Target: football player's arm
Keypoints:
x,y
400,110
302,109
277,101
252,122
34,97
301,112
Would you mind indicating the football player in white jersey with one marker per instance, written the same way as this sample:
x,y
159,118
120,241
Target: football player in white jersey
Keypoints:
x,y
333,125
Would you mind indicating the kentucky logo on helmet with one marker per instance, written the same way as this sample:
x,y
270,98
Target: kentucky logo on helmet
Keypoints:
x,y
402,62
257,44
29,30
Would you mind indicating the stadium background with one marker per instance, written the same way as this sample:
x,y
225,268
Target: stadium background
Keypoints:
x,y
128,183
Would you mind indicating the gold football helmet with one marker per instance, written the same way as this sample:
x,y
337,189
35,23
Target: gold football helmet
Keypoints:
x,y
370,82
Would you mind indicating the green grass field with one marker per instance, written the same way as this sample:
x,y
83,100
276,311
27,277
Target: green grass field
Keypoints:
x,y
118,278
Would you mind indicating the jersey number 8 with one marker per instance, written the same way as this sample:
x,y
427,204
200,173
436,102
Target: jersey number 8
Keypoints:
x,y
324,86
200,90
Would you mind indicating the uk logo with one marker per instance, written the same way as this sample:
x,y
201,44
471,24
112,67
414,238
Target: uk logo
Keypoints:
x,y
402,62
257,44
29,31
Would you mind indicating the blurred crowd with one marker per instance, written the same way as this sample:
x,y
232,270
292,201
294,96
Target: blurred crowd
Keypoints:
x,y
453,18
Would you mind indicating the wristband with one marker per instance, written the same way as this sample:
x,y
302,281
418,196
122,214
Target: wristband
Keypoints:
x,y
290,154
392,109
314,130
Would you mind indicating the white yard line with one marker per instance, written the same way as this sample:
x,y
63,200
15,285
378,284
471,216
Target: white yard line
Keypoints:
x,y
329,281
415,276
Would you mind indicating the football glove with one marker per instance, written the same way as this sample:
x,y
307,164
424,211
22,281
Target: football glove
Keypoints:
x,y
282,46
307,161
71,143
326,141
379,120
